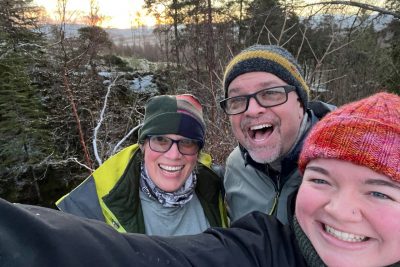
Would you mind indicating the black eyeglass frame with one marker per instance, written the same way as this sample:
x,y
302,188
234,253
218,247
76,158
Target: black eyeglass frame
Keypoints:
x,y
287,88
173,141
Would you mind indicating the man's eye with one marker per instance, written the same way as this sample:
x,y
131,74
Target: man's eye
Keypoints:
x,y
265,94
237,100
234,102
271,92
271,95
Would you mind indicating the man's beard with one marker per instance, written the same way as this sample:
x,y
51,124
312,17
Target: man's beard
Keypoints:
x,y
259,155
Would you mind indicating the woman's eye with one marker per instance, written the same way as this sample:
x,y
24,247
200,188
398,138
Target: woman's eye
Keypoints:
x,y
161,139
318,181
379,195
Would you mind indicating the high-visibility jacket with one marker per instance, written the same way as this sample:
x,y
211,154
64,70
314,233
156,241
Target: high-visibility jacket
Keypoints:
x,y
111,193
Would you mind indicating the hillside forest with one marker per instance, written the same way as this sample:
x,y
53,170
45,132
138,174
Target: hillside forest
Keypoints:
x,y
67,102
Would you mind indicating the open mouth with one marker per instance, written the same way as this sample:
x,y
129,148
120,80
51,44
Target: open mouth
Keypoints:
x,y
260,132
348,237
170,168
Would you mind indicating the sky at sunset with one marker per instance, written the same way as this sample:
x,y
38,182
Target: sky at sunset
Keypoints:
x,y
120,13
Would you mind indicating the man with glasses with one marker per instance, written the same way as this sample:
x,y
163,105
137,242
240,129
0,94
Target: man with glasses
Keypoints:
x,y
161,186
266,99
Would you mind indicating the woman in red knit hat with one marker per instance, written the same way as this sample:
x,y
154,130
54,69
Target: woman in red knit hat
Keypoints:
x,y
348,204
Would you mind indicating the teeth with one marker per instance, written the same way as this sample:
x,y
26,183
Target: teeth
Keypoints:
x,y
344,236
171,168
258,127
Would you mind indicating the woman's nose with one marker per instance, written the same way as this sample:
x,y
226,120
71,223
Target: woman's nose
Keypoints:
x,y
173,152
344,207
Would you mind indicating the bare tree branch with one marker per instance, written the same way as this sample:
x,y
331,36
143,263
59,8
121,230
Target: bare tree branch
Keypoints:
x,y
360,5
319,61
125,137
100,121
302,41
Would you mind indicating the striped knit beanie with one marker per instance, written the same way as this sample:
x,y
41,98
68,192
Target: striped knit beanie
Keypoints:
x,y
366,133
179,114
268,58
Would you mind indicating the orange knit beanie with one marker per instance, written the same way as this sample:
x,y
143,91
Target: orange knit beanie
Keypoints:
x,y
365,132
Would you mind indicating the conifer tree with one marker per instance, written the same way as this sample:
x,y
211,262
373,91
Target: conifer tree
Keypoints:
x,y
23,130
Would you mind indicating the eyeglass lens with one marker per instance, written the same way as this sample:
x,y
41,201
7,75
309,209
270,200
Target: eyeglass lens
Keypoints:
x,y
266,98
162,144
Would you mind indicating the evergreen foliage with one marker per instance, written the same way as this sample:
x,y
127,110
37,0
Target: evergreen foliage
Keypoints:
x,y
393,81
26,138
23,127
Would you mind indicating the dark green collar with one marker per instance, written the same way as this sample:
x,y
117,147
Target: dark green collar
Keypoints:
x,y
307,249
124,201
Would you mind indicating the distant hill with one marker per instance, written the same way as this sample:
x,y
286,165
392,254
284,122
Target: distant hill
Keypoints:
x,y
379,21
145,34
130,36
118,36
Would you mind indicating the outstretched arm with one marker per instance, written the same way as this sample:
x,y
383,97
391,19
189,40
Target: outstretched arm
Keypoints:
x,y
36,236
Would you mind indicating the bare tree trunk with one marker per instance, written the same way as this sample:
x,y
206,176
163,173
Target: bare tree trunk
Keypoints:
x,y
210,52
240,34
77,119
68,91
176,31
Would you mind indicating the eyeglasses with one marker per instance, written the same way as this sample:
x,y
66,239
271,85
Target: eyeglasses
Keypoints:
x,y
266,98
162,144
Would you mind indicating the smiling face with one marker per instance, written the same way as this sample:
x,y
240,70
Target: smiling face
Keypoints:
x,y
168,170
266,133
350,213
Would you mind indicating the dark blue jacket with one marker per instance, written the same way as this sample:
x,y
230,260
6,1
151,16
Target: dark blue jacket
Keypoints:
x,y
35,236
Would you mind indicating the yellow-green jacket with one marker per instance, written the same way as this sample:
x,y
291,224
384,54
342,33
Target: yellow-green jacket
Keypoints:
x,y
111,193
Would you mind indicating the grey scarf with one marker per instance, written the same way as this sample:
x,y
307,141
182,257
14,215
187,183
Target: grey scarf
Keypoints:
x,y
174,199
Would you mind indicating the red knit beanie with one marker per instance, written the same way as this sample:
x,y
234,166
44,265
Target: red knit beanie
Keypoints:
x,y
366,132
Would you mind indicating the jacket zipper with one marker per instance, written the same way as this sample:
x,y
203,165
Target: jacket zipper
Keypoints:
x,y
276,198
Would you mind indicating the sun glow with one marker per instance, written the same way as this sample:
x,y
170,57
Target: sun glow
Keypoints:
x,y
121,14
